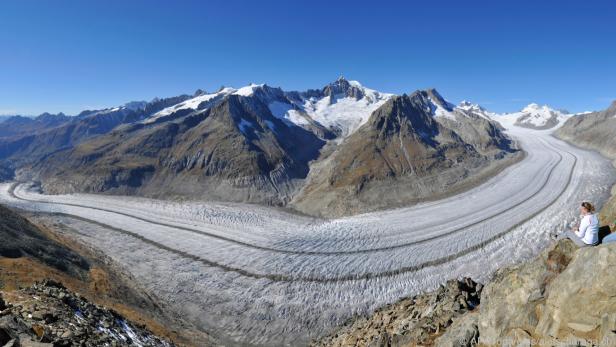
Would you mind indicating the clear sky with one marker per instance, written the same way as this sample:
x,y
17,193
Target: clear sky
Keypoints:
x,y
74,55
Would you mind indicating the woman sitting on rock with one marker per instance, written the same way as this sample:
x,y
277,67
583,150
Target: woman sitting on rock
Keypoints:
x,y
588,232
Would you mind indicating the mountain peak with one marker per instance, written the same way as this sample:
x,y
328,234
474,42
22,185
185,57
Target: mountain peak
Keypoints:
x,y
438,99
467,105
539,117
342,86
199,92
534,107
135,105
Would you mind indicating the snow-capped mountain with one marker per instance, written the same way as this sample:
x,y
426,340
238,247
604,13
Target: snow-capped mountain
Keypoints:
x,y
536,117
342,106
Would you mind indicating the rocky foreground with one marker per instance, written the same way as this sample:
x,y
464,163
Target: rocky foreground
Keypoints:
x,y
417,320
564,297
47,314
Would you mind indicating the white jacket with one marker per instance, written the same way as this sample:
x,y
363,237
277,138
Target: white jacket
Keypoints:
x,y
589,229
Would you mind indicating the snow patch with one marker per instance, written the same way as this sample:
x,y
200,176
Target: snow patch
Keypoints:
x,y
439,111
344,113
287,112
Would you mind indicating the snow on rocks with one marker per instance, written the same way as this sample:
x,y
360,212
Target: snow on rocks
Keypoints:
x,y
201,101
47,314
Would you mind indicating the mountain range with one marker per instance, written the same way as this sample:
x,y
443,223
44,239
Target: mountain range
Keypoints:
x,y
336,150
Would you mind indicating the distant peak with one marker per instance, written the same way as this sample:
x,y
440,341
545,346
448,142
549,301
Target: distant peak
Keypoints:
x,y
199,92
465,104
533,107
135,105
341,81
343,86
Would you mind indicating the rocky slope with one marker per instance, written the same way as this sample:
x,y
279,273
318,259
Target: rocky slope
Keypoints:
x,y
420,320
412,148
20,238
48,315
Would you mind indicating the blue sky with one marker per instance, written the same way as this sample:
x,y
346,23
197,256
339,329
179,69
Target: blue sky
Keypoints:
x,y
74,55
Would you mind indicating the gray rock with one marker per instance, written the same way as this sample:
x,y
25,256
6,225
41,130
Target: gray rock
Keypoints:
x,y
463,332
563,295
510,299
69,322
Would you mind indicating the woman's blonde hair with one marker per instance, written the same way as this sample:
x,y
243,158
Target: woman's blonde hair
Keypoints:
x,y
588,206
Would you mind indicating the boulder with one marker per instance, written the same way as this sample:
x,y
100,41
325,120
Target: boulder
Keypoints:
x,y
511,299
582,294
565,294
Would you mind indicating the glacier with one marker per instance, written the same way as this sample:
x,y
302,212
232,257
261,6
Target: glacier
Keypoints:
x,y
265,276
